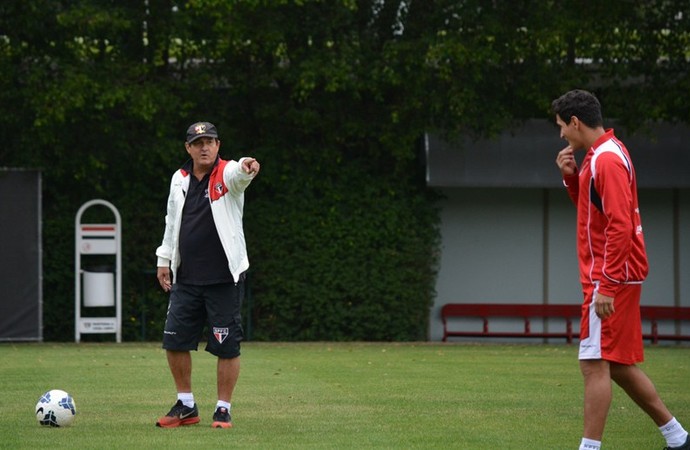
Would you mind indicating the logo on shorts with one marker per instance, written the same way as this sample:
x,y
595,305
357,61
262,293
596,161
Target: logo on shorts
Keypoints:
x,y
221,334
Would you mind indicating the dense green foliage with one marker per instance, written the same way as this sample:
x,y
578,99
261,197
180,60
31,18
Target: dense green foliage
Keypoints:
x,y
333,97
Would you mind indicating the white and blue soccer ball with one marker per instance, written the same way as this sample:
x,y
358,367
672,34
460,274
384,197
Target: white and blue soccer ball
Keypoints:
x,y
55,408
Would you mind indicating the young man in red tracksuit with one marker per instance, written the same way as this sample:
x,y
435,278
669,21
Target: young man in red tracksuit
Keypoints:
x,y
613,265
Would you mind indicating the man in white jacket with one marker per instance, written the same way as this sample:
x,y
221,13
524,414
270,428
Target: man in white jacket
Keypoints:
x,y
202,262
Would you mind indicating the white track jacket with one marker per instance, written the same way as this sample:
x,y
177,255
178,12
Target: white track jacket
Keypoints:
x,y
226,194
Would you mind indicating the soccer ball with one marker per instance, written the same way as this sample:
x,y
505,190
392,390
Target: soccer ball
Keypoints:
x,y
55,408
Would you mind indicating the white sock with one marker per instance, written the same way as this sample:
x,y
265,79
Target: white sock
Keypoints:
x,y
222,404
187,399
674,433
590,444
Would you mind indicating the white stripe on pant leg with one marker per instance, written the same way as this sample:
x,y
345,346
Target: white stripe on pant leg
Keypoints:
x,y
590,348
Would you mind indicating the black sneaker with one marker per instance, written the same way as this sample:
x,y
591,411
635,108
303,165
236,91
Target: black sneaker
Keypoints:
x,y
221,418
179,415
685,446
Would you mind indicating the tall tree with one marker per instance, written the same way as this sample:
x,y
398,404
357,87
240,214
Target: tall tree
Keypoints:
x,y
333,97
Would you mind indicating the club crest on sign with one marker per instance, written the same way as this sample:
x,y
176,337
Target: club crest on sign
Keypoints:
x,y
221,334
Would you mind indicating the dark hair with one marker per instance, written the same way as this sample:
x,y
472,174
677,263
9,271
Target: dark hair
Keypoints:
x,y
581,104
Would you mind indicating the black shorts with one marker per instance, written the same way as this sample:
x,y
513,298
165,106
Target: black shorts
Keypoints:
x,y
192,307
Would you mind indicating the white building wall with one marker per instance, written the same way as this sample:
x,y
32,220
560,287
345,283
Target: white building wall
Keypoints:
x,y
517,245
683,268
656,209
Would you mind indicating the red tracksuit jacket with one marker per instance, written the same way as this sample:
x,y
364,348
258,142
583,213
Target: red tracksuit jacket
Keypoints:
x,y
610,244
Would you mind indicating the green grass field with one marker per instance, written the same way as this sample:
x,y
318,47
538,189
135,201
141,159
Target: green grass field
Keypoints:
x,y
331,395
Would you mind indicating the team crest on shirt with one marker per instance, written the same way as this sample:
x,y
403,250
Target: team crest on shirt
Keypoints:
x,y
221,334
218,188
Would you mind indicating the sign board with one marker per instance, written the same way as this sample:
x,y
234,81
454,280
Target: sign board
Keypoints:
x,y
91,325
97,288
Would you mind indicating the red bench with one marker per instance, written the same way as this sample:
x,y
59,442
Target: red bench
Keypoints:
x,y
655,314
539,311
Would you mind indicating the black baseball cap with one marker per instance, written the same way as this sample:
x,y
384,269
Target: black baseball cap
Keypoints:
x,y
201,129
